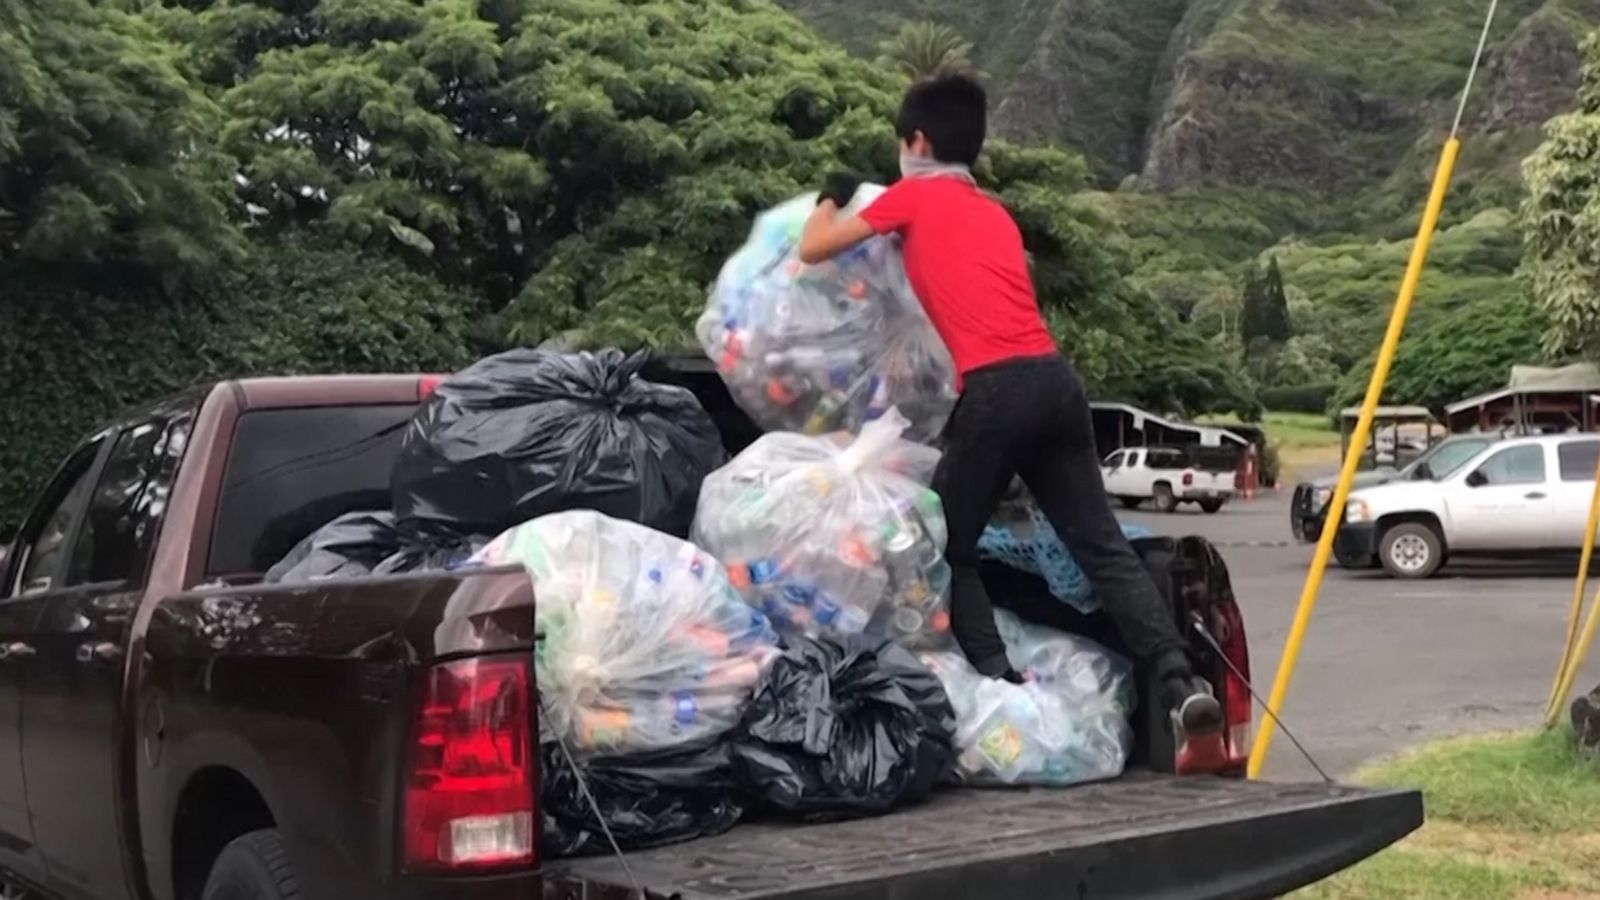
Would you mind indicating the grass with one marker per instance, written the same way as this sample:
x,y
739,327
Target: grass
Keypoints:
x,y
1509,816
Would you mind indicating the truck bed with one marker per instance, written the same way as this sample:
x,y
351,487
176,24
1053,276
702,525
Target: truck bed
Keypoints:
x,y
1144,836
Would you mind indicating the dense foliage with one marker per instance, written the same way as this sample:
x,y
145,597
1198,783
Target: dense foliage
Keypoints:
x,y
505,169
105,148
1562,220
76,348
1441,360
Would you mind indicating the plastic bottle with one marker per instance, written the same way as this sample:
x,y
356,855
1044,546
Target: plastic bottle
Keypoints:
x,y
671,719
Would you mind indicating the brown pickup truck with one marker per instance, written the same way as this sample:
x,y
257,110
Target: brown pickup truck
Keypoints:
x,y
174,730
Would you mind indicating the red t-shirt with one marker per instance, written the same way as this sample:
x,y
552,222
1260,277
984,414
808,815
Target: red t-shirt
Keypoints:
x,y
965,260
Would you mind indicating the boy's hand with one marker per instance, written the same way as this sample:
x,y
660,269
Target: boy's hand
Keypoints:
x,y
839,188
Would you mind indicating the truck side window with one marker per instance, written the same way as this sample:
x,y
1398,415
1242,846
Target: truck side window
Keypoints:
x,y
1515,465
1578,459
1114,461
40,548
120,524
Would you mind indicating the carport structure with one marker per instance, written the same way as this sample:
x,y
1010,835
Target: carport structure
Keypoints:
x,y
1537,400
1118,425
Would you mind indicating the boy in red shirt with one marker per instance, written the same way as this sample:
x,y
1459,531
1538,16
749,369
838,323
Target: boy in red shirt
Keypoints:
x,y
1023,409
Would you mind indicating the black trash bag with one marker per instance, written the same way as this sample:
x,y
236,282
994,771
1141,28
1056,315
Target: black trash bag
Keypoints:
x,y
530,432
348,547
438,552
648,799
845,728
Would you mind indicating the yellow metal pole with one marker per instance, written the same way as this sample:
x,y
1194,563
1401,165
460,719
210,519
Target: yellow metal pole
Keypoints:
x,y
1552,711
1574,664
1352,458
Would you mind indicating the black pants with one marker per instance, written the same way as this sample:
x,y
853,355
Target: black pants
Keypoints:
x,y
1030,417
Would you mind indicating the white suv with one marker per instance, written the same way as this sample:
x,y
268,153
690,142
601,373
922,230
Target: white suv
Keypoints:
x,y
1518,496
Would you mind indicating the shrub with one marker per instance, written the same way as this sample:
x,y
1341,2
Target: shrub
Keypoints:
x,y
1303,398
76,349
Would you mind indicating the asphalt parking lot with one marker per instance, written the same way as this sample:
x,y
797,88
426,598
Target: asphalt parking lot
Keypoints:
x,y
1388,664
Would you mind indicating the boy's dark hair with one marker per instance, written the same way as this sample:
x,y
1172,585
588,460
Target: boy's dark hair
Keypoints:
x,y
952,112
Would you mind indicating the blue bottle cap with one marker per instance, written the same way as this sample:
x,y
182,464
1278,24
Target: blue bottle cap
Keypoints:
x,y
799,594
763,571
827,611
685,708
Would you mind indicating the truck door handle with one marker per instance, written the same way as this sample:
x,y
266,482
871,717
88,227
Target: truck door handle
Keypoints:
x,y
1535,495
103,651
17,650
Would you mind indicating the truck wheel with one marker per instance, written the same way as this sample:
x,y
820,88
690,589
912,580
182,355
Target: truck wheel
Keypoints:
x,y
1165,500
253,867
1352,562
1210,506
1130,502
1411,550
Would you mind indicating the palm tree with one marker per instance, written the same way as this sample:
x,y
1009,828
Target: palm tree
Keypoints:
x,y
920,49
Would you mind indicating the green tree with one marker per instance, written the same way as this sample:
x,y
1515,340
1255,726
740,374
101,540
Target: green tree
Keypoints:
x,y
1562,219
1266,306
920,49
589,164
106,149
1440,361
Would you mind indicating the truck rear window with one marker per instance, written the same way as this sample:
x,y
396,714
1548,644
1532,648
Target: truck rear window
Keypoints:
x,y
1214,459
292,470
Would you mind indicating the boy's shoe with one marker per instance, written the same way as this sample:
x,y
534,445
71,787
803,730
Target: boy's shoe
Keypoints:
x,y
1197,726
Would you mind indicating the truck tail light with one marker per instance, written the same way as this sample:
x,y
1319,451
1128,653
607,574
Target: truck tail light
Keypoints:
x,y
469,798
1188,478
1236,705
426,385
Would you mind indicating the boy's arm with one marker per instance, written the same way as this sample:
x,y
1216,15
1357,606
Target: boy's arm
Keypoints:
x,y
827,233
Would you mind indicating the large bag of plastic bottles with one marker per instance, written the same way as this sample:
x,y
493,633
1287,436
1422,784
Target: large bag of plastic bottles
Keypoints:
x,y
643,645
843,728
834,535
1068,723
826,347
1020,536
530,432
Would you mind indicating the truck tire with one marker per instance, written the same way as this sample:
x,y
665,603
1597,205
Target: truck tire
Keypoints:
x,y
1165,500
1411,550
253,867
1210,506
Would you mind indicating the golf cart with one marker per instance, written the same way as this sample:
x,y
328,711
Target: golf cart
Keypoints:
x,y
1400,434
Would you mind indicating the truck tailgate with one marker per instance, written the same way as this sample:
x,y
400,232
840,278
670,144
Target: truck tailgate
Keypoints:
x,y
1145,836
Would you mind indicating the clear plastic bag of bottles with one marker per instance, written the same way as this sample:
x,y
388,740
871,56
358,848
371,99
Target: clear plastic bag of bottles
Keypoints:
x,y
834,535
643,644
1020,536
1067,724
828,347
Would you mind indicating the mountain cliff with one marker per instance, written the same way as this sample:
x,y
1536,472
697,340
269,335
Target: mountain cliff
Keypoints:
x,y
1321,94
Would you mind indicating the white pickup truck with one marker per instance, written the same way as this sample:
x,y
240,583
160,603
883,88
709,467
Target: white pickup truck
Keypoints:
x,y
1515,497
1168,476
